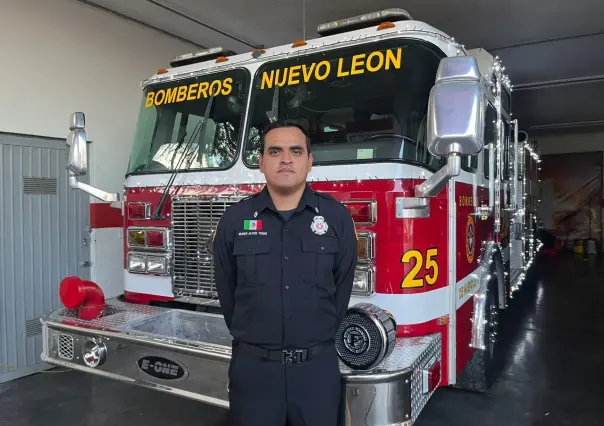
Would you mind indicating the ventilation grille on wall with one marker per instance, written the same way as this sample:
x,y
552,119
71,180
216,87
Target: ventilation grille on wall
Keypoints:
x,y
33,327
39,186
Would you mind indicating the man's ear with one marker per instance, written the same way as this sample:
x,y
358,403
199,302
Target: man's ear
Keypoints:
x,y
260,162
310,160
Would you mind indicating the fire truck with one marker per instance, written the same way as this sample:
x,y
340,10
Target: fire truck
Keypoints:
x,y
410,131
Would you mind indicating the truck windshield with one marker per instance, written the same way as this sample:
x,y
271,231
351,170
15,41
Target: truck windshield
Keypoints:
x,y
169,123
364,103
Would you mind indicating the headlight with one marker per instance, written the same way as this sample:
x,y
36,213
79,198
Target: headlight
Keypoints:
x,y
156,265
363,280
137,262
143,263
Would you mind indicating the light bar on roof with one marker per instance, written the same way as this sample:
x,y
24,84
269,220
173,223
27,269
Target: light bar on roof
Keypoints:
x,y
363,21
202,55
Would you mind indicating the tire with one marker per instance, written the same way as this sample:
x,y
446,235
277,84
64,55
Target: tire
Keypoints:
x,y
480,372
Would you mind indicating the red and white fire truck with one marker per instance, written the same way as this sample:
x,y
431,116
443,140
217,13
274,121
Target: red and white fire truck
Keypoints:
x,y
411,131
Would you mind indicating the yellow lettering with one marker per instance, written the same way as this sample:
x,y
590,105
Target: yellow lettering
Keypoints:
x,y
227,86
327,66
170,95
307,73
149,102
203,89
372,62
266,80
191,93
340,72
283,80
294,73
217,91
395,60
160,99
380,64
357,64
182,93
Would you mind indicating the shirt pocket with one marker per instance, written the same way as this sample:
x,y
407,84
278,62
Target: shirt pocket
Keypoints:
x,y
252,258
319,254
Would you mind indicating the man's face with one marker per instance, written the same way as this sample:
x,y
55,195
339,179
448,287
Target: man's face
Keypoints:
x,y
285,161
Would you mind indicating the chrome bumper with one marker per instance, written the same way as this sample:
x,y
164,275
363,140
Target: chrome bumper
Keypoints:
x,y
187,354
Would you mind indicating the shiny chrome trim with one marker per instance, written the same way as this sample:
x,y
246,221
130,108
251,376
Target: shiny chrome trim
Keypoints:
x,y
412,208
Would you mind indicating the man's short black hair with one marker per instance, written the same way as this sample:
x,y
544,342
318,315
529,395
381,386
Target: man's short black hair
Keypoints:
x,y
284,122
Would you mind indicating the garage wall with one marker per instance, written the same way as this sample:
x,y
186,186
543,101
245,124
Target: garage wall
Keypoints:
x,y
571,143
62,56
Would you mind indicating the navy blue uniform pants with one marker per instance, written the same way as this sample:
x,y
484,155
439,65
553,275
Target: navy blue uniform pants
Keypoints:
x,y
269,393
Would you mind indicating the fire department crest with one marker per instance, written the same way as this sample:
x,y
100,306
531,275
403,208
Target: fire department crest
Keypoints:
x,y
470,239
318,225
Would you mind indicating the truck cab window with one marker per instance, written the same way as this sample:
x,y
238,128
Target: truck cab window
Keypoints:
x,y
169,130
366,103
490,138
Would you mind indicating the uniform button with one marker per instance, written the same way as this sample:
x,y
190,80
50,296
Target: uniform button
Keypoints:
x,y
287,287
322,248
286,258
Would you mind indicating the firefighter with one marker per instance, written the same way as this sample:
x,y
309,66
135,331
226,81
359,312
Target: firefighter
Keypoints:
x,y
284,262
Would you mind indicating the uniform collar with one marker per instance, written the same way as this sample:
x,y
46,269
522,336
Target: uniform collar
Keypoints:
x,y
309,199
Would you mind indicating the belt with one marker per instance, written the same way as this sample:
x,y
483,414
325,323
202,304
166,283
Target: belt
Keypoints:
x,y
285,356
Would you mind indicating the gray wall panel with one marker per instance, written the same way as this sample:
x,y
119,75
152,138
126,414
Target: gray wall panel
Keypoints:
x,y
42,225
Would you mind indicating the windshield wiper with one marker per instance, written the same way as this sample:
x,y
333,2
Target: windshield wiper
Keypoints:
x,y
164,196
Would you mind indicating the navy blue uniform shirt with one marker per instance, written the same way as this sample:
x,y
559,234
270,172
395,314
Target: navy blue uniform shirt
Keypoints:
x,y
284,279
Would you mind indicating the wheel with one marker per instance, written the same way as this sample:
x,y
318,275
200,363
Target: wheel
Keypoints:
x,y
479,374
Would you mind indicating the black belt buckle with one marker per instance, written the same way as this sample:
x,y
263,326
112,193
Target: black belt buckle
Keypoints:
x,y
292,356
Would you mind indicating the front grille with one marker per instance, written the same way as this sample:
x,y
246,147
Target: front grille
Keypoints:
x,y
194,218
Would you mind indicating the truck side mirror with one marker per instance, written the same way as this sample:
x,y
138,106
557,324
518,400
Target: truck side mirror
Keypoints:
x,y
77,140
522,136
457,108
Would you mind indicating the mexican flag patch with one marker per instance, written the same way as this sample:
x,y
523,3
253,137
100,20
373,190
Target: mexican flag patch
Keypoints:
x,y
252,225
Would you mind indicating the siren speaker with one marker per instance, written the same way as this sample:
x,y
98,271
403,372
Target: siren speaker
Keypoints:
x,y
366,337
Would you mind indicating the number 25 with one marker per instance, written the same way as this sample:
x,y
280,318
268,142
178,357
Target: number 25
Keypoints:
x,y
411,280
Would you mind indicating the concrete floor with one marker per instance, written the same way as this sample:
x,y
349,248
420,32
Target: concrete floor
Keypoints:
x,y
552,373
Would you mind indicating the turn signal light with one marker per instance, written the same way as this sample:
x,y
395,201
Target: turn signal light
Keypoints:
x,y
362,211
152,238
155,238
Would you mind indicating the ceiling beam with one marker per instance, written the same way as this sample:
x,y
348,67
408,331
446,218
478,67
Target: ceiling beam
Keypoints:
x,y
174,11
573,125
136,21
548,40
557,83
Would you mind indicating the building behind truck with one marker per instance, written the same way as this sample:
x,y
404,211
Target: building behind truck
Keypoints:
x,y
410,131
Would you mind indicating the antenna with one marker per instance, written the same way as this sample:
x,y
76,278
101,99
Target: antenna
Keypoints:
x,y
303,19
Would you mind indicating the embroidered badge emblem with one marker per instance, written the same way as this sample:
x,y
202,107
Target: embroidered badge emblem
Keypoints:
x,y
318,225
